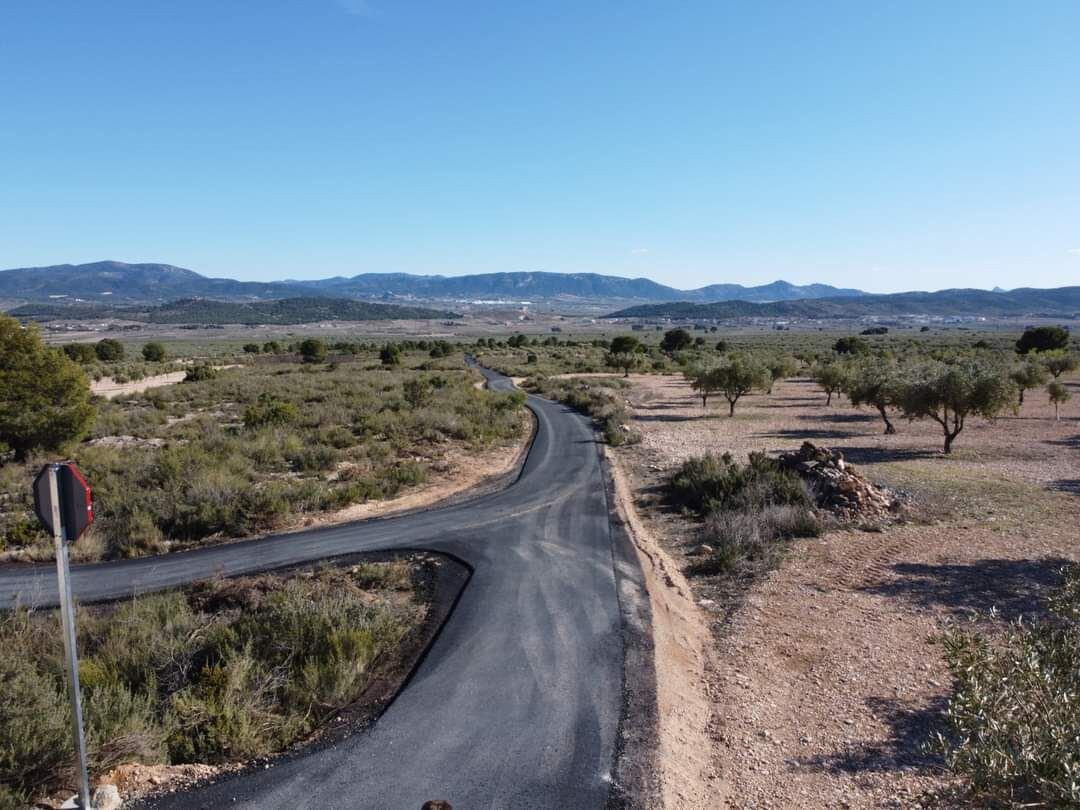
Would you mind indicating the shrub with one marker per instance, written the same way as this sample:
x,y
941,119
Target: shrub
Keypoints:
x,y
269,410
676,340
851,345
390,355
153,352
109,350
710,483
81,352
251,348
312,350
200,373
1013,721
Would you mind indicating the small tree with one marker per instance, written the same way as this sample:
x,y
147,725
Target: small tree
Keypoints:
x,y
1028,374
831,377
153,352
417,391
312,350
949,393
251,348
1059,362
109,350
44,395
390,355
722,346
1043,339
624,353
702,381
81,352
271,347
739,375
780,368
1059,395
676,340
875,383
851,345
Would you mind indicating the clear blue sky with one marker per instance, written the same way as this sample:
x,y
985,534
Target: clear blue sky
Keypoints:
x,y
879,145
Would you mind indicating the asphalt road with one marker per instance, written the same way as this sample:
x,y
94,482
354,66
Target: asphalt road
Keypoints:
x,y
517,703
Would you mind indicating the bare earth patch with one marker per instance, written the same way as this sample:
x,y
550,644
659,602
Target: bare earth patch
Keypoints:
x,y
824,677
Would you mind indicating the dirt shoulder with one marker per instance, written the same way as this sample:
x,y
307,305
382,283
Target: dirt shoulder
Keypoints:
x,y
823,680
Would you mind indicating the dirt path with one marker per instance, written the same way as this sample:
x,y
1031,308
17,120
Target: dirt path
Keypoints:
x,y
107,387
826,680
683,657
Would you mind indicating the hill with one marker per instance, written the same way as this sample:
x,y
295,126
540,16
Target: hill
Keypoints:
x,y
1022,301
204,311
120,284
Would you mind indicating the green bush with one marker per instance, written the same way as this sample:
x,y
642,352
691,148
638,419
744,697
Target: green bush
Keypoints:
x,y
227,670
270,411
1013,721
710,483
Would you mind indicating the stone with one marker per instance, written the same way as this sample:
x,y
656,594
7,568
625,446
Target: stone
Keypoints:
x,y
106,797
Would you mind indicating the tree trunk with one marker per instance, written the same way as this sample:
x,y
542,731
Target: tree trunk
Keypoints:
x,y
731,407
828,399
1021,397
704,401
889,429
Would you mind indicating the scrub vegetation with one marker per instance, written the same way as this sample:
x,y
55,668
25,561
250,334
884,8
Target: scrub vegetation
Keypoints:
x,y
237,451
224,671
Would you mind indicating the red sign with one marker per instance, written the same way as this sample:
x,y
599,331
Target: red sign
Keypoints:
x,y
76,505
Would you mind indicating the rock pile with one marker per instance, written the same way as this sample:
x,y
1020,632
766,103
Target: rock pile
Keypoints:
x,y
836,484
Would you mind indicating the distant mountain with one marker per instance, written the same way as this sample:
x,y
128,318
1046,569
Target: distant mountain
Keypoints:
x,y
116,282
1022,301
122,284
207,311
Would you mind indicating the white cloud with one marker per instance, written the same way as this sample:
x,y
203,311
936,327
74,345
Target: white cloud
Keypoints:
x,y
1074,251
639,251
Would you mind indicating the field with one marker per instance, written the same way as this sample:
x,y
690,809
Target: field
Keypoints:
x,y
824,677
268,444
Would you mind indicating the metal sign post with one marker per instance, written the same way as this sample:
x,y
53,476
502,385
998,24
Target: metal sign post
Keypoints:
x,y
67,615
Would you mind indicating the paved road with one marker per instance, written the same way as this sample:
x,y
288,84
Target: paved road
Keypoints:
x,y
517,703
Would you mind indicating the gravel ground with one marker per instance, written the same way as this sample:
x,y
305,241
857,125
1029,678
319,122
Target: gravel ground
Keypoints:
x,y
825,676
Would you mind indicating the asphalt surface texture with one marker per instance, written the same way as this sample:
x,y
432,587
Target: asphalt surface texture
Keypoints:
x,y
517,702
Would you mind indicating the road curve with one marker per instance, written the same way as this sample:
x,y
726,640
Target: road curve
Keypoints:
x,y
517,703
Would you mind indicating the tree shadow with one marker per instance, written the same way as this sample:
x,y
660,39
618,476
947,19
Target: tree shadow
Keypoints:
x,y
1070,485
877,455
810,434
661,417
841,418
1071,441
910,727
1012,588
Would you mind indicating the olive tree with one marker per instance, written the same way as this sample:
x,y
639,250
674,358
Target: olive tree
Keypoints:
x,y
1059,395
702,381
44,395
153,351
1059,362
1026,375
950,392
875,382
625,353
738,375
831,377
780,367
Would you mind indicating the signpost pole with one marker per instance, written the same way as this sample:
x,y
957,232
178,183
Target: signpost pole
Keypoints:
x,y
67,616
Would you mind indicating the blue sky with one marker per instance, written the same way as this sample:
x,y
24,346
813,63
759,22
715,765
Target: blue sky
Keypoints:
x,y
884,146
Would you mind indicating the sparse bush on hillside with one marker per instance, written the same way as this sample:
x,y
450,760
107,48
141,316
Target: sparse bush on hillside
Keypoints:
x,y
227,670
153,352
109,350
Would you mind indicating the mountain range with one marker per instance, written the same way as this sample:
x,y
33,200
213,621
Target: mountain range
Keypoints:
x,y
123,284
163,293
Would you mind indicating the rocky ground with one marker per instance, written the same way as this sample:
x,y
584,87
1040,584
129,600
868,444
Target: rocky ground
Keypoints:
x,y
824,679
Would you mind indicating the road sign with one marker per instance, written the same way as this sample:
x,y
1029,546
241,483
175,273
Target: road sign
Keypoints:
x,y
76,506
62,502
